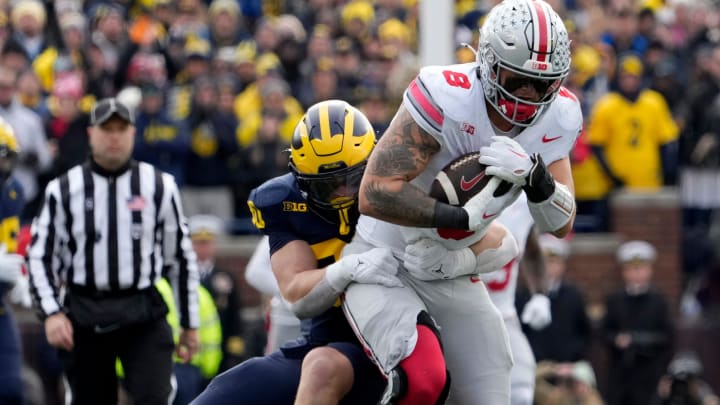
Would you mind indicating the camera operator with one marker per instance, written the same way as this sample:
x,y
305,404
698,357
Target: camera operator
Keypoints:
x,y
566,384
683,385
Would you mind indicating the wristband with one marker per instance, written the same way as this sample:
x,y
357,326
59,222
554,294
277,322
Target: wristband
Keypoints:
x,y
449,216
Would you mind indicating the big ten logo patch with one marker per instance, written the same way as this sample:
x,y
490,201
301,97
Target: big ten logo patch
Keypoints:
x,y
294,206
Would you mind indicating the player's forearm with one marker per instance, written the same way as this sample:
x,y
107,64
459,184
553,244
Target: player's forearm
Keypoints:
x,y
401,155
565,230
551,198
301,284
397,201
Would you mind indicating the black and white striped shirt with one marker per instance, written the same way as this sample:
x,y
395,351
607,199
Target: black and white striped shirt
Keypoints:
x,y
112,232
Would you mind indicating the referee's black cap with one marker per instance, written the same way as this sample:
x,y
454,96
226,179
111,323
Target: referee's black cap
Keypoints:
x,y
106,108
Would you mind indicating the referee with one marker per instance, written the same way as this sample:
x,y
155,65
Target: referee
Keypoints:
x,y
108,230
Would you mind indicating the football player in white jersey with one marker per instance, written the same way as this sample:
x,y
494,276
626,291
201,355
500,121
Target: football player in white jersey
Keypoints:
x,y
509,105
502,285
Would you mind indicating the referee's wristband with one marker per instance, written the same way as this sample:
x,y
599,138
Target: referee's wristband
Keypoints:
x,y
449,216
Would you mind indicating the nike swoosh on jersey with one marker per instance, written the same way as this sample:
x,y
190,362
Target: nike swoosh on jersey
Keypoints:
x,y
545,138
466,185
486,215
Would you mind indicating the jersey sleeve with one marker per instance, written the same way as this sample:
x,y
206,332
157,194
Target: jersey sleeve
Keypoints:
x,y
265,204
418,100
557,136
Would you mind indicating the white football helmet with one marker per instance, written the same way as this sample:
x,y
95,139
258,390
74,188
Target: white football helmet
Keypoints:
x,y
529,38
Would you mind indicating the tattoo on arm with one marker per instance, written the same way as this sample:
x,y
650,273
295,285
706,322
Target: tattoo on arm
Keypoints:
x,y
402,153
406,149
409,206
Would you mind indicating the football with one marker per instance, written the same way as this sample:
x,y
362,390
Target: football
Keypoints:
x,y
461,179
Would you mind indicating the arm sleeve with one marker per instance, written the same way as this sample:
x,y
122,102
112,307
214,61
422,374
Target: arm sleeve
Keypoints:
x,y
44,262
179,257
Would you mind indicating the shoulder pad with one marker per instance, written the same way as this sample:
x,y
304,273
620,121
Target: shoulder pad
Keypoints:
x,y
452,88
568,112
273,191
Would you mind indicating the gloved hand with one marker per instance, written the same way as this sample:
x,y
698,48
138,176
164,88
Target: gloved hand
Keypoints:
x,y
427,259
507,160
376,266
484,206
10,267
20,294
537,313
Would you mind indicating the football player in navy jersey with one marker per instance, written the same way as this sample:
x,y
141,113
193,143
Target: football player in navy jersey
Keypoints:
x,y
309,216
11,206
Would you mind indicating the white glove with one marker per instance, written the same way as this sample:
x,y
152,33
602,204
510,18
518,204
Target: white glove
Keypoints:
x,y
376,266
428,259
20,294
507,160
537,312
10,267
484,207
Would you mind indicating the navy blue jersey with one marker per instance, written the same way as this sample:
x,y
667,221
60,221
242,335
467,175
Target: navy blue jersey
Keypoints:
x,y
280,211
11,206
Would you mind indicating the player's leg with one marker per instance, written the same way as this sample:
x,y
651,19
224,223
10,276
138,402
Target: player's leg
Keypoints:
x,y
477,350
522,376
388,322
272,379
422,377
326,376
393,326
339,373
11,387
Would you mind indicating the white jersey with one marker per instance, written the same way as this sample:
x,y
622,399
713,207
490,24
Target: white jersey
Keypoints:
x,y
501,284
448,103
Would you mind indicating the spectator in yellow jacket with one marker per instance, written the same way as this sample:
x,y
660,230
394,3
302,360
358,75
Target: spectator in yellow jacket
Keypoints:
x,y
632,132
266,97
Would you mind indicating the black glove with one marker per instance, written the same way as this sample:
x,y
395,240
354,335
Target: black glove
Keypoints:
x,y
540,182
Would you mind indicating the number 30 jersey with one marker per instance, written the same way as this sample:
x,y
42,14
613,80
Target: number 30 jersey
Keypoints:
x,y
280,211
448,102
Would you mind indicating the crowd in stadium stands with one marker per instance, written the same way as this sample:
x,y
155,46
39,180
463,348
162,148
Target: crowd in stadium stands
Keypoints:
x,y
218,87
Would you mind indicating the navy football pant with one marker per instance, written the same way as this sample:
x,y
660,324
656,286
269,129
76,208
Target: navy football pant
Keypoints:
x,y
10,358
273,379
